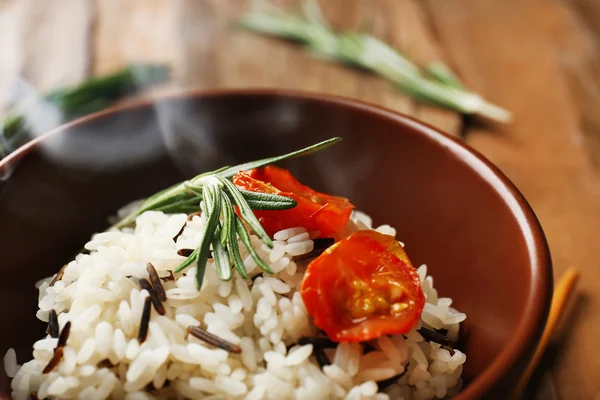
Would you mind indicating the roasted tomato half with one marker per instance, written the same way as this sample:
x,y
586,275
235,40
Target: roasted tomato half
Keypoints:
x,y
315,211
363,287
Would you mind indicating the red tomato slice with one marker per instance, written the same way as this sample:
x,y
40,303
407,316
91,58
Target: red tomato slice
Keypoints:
x,y
363,287
315,211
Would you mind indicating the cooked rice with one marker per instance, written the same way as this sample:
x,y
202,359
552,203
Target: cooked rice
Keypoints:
x,y
265,317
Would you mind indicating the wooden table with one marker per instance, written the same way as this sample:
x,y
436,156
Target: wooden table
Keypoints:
x,y
538,58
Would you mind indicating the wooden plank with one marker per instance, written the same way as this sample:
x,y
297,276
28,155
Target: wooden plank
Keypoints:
x,y
589,13
577,50
244,59
142,31
502,50
199,24
12,55
375,89
67,23
25,29
409,31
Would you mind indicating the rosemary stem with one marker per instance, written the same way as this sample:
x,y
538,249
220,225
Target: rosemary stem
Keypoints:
x,y
436,83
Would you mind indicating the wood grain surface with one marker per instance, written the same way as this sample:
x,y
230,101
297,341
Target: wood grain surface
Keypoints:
x,y
538,58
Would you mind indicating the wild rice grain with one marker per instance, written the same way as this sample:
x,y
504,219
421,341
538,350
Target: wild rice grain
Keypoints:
x,y
64,335
214,340
143,332
318,341
180,232
53,324
185,252
158,306
168,278
156,282
319,246
106,363
59,275
321,357
58,353
434,336
194,214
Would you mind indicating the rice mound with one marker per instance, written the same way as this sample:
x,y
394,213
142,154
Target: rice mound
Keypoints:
x,y
264,316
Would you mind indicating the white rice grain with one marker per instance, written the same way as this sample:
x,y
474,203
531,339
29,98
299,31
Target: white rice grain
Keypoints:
x,y
230,386
186,320
277,286
353,359
338,375
390,350
296,249
299,355
248,353
119,344
268,293
301,237
104,335
132,350
10,363
376,374
203,385
288,233
244,293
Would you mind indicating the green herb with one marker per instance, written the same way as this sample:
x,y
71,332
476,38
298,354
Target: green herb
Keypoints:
x,y
435,83
90,96
215,195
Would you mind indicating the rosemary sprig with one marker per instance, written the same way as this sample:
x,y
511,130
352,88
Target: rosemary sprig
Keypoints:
x,y
435,83
92,95
215,195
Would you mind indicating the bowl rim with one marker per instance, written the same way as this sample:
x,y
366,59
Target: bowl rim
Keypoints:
x,y
540,266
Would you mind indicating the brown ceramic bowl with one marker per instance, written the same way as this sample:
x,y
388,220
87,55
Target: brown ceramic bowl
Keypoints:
x,y
454,210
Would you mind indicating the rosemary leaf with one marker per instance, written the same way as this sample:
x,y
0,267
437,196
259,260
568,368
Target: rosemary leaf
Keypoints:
x,y
220,254
267,201
266,205
188,261
277,200
187,203
232,237
211,216
243,234
246,212
228,219
231,171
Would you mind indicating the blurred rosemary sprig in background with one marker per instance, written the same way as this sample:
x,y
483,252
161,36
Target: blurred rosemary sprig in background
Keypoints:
x,y
434,83
92,95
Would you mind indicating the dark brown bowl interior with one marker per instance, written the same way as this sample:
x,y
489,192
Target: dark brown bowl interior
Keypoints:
x,y
454,211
